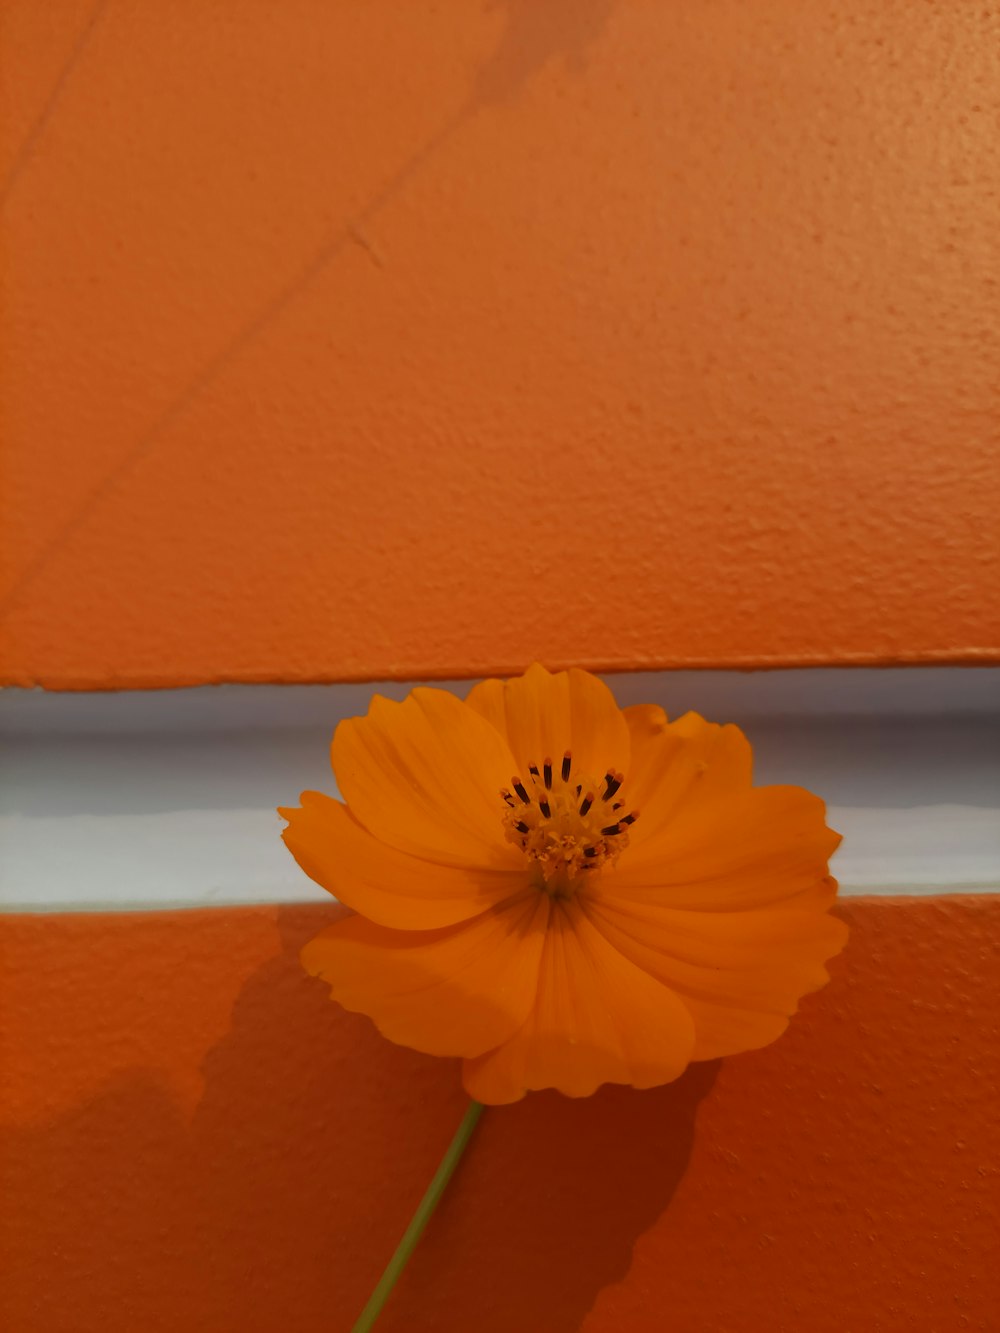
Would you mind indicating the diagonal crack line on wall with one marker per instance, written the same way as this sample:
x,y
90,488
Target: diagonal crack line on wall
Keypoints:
x,y
23,154
350,233
367,244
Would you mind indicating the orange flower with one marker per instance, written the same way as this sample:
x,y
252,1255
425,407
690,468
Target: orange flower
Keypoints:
x,y
563,892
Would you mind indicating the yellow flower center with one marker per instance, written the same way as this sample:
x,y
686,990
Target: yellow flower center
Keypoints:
x,y
566,823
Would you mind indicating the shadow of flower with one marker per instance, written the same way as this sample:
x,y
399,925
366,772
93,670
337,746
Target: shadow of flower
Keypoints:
x,y
280,1202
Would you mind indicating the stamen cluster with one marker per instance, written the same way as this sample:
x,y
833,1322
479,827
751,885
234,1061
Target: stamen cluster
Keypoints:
x,y
566,823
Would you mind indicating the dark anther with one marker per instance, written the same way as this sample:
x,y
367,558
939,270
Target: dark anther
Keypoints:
x,y
611,830
629,819
519,787
547,773
617,805
614,782
506,795
533,770
521,826
579,789
544,807
588,801
590,851
567,758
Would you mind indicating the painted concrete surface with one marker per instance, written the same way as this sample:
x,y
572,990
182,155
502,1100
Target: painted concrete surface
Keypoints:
x,y
134,800
348,341
194,1137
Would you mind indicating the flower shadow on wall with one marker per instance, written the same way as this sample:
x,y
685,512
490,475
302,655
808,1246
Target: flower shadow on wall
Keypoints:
x,y
275,1206
337,1132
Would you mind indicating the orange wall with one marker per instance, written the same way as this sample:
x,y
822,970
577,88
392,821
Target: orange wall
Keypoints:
x,y
409,339
194,1137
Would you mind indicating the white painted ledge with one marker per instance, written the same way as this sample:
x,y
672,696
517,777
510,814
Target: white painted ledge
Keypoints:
x,y
166,798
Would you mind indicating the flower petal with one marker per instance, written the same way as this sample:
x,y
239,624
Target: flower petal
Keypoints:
x,y
716,841
386,885
646,724
541,715
676,764
456,991
597,1018
741,974
760,846
424,776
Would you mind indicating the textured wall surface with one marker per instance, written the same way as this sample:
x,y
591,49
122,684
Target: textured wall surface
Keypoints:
x,y
398,340
193,1137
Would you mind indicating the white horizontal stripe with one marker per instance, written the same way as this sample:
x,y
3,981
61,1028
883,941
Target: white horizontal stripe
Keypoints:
x,y
723,696
167,798
207,857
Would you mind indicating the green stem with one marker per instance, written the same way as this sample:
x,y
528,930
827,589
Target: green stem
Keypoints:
x,y
424,1213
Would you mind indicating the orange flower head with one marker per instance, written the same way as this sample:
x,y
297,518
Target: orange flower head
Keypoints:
x,y
561,891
